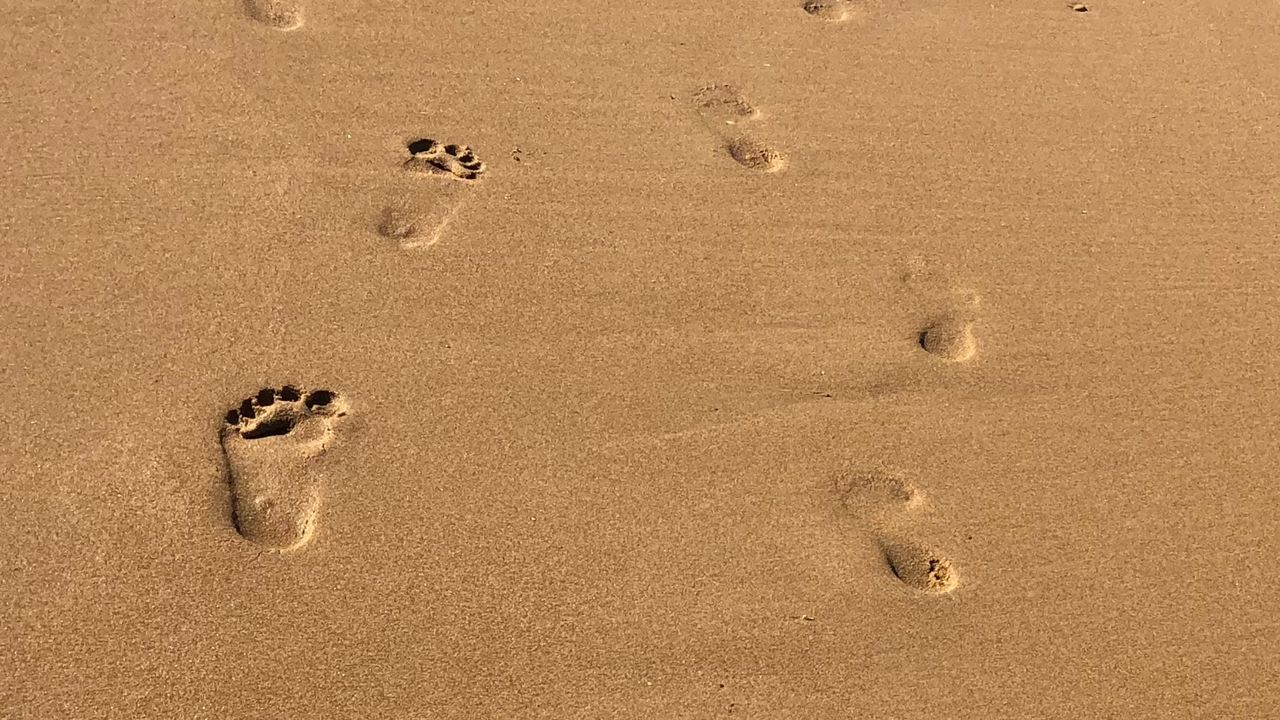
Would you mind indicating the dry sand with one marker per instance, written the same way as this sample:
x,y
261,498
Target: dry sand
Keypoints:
x,y
770,359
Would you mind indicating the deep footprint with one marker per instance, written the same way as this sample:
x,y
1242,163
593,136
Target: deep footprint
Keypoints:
x,y
429,157
950,338
920,566
884,503
754,155
268,441
279,14
832,10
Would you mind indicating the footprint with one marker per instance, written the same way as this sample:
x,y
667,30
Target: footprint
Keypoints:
x,y
724,109
752,154
884,502
279,14
400,223
947,333
920,566
950,337
268,441
871,493
416,227
429,157
723,104
833,10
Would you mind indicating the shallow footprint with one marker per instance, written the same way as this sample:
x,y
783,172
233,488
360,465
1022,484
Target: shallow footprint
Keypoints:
x,y
416,226
872,493
279,14
723,105
268,441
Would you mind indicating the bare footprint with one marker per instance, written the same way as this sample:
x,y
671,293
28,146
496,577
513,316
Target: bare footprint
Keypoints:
x,y
279,14
416,225
723,105
920,566
834,10
884,503
950,337
429,157
726,111
875,492
752,154
268,441
949,332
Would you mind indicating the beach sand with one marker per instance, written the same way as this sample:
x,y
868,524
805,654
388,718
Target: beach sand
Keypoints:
x,y
771,359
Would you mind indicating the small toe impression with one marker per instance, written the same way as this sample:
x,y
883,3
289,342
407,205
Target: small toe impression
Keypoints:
x,y
921,567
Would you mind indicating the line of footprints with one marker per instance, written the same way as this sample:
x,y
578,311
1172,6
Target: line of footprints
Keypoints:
x,y
271,439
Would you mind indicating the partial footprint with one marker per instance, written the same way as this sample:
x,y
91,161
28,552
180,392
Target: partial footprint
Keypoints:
x,y
269,440
834,10
750,153
950,337
872,493
417,225
433,158
885,504
279,14
947,333
921,566
723,105
725,111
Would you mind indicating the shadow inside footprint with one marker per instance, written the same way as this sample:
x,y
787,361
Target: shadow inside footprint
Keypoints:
x,y
268,440
279,14
920,566
950,338
754,155
832,10
429,157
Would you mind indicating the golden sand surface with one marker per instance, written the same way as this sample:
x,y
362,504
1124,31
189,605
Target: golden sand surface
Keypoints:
x,y
572,360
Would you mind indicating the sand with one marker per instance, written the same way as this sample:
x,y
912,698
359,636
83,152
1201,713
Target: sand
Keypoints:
x,y
896,359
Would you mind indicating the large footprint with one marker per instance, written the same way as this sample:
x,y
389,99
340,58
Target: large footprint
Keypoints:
x,y
725,111
884,501
268,441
